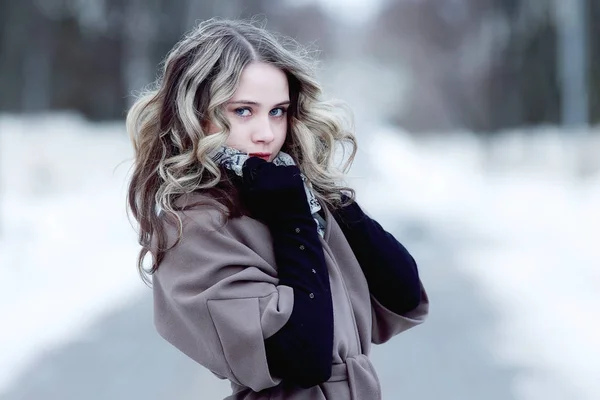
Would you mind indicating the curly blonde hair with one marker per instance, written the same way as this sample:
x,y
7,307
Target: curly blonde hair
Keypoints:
x,y
200,74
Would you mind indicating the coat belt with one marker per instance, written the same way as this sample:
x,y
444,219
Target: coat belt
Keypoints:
x,y
361,376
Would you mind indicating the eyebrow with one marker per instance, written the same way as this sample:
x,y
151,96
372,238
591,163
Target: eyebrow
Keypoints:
x,y
254,103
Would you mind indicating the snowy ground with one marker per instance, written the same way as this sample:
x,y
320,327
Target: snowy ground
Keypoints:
x,y
66,246
505,229
527,211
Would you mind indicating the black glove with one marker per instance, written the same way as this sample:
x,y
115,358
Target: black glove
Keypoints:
x,y
358,227
390,270
350,217
270,191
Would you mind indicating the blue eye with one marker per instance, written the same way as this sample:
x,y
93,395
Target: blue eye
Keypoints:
x,y
277,112
242,111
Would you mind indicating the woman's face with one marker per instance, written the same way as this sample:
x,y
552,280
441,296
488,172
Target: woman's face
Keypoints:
x,y
257,111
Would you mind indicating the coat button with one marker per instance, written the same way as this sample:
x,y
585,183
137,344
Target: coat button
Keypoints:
x,y
301,247
297,230
312,296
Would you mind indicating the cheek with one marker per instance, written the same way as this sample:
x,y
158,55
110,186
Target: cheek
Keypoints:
x,y
235,138
281,135
282,129
238,137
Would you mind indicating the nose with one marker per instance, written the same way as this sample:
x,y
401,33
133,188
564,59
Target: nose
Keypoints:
x,y
263,131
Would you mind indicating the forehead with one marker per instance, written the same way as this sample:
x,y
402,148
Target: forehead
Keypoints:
x,y
262,83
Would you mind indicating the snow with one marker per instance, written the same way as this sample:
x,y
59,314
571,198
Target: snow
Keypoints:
x,y
524,206
528,210
67,249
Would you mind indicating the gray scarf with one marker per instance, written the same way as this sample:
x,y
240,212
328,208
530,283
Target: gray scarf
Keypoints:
x,y
233,160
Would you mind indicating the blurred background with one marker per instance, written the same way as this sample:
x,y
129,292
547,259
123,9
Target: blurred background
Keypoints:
x,y
478,148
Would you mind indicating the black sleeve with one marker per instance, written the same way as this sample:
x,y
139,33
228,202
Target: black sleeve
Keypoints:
x,y
390,270
301,352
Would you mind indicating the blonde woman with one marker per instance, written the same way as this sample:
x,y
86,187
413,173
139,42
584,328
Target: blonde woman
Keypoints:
x,y
264,268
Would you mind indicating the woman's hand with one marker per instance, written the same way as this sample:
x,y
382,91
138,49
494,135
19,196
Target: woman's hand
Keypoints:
x,y
269,190
266,178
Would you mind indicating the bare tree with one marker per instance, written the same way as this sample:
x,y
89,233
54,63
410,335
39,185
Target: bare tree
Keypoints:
x,y
139,31
38,63
573,60
484,65
14,38
90,55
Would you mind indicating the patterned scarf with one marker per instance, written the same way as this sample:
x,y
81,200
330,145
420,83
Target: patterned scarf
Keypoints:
x,y
233,160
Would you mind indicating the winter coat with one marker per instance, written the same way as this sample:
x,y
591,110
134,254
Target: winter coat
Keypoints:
x,y
217,299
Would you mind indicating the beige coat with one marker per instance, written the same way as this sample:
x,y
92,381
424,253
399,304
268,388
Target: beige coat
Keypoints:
x,y
217,298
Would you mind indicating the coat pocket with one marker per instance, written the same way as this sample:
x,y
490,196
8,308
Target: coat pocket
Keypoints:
x,y
238,326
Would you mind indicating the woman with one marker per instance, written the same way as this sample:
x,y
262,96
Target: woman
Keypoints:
x,y
264,269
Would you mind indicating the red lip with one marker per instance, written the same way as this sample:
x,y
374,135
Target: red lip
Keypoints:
x,y
264,156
